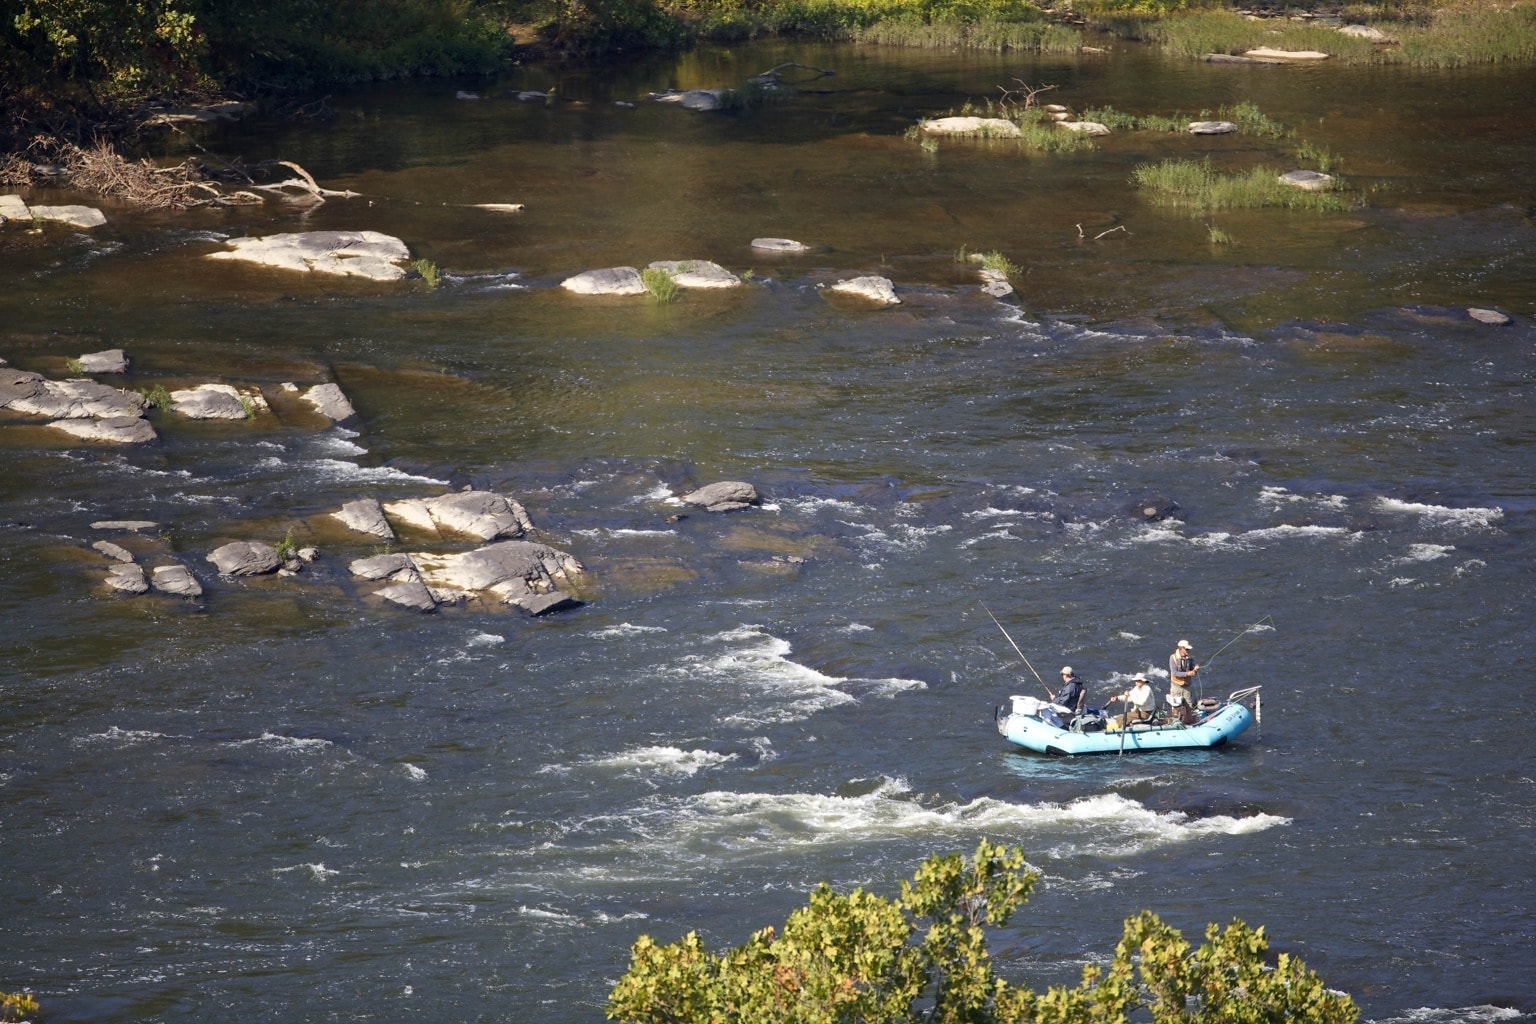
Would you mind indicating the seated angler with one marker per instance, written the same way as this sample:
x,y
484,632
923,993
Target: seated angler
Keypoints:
x,y
1069,699
1140,701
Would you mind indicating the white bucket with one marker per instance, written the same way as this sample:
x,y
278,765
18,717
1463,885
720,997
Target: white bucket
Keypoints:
x,y
1025,705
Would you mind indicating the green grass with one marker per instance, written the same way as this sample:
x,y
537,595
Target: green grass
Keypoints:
x,y
1425,38
428,271
287,546
661,285
1218,236
157,397
1250,120
1196,186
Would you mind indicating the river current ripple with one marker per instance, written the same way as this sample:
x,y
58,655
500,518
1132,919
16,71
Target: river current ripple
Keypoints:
x,y
285,803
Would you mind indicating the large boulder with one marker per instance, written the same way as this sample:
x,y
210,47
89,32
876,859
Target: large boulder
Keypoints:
x,y
608,281
871,287
366,254
987,127
724,496
365,516
481,514
215,402
697,274
245,558
512,571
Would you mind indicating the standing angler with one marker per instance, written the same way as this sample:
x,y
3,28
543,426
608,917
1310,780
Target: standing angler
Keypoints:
x,y
1181,672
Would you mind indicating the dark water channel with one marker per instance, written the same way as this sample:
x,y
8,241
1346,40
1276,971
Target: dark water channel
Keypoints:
x,y
284,801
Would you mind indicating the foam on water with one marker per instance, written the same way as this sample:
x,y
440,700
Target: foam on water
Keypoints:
x,y
1465,518
663,761
626,629
288,744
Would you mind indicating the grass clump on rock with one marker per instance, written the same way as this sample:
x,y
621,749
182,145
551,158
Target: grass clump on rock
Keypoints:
x,y
1196,186
661,285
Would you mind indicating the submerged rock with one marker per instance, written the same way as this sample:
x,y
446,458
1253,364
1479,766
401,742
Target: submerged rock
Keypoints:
x,y
366,254
694,99
779,245
609,281
1085,127
724,496
1488,316
872,287
1212,127
116,552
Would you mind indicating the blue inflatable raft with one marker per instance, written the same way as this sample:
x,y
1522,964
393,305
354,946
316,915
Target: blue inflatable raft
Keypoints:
x,y
1020,722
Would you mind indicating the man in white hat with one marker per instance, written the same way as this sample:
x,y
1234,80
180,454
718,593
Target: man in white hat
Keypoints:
x,y
1181,672
1140,701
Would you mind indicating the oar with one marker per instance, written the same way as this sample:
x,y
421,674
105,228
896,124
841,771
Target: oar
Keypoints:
x,y
1020,653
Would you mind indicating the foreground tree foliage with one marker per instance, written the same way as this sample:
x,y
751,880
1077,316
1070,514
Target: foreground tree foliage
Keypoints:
x,y
865,959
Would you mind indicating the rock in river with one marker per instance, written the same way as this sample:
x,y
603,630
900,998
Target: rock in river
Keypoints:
x,y
245,558
481,514
367,254
872,287
725,496
608,281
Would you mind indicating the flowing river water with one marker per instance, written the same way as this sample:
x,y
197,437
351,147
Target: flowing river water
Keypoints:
x,y
286,802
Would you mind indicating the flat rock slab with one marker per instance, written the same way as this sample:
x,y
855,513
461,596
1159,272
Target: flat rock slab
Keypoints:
x,y
113,360
381,567
871,287
1085,127
367,254
128,579
245,558
210,402
481,514
1267,53
779,245
177,580
995,283
509,569
73,216
116,552
724,496
329,401
544,604
365,516
697,274
990,127
130,525
113,429
1491,317
14,208
1232,58
608,281
410,593
66,399
1212,127
1310,181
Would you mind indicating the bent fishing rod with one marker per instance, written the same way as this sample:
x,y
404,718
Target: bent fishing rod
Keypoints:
x,y
1020,653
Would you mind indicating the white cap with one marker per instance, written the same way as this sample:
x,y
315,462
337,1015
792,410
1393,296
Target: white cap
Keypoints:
x,y
1186,645
1066,670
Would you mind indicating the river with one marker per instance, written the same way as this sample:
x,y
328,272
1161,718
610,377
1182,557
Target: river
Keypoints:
x,y
286,802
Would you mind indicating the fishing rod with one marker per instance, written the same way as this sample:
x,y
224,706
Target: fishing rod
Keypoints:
x,y
1245,632
1020,653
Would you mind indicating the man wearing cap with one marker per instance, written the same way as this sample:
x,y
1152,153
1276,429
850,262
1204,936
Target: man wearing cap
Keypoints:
x,y
1181,672
1070,697
1140,700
